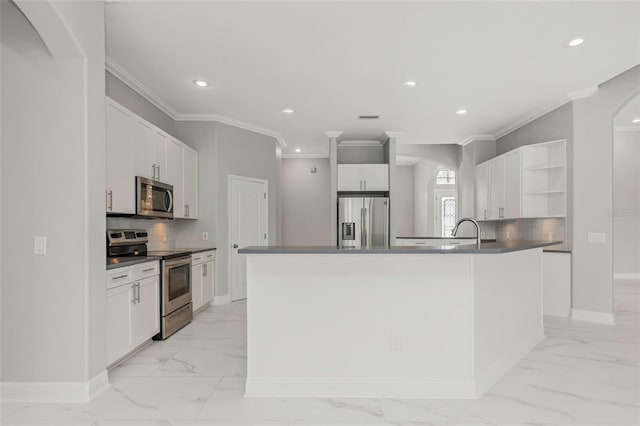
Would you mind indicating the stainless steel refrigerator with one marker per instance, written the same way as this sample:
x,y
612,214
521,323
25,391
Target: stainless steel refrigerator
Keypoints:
x,y
363,222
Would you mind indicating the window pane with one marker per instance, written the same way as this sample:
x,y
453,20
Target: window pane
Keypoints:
x,y
446,177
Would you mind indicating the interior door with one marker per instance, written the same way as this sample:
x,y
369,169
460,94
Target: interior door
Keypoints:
x,y
248,226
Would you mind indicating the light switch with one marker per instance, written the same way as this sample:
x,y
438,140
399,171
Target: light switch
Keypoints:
x,y
205,236
40,245
597,237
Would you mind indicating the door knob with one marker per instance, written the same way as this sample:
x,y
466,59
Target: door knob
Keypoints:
x,y
235,246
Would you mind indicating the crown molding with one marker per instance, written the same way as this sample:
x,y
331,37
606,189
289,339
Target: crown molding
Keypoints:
x,y
582,93
302,156
472,138
218,118
361,143
123,75
333,133
626,128
391,134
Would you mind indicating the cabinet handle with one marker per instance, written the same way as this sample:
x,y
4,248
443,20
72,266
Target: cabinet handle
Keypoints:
x,y
148,269
110,200
133,288
186,214
365,185
485,214
158,166
119,277
138,292
209,255
197,259
204,270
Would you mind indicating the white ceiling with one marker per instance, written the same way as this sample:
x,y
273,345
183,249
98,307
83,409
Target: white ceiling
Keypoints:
x,y
332,61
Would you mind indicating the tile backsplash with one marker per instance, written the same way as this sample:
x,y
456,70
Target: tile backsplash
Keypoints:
x,y
533,229
158,229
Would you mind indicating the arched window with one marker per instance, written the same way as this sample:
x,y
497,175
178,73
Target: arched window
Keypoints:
x,y
446,177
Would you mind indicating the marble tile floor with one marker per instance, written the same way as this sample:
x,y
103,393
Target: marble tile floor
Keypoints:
x,y
582,374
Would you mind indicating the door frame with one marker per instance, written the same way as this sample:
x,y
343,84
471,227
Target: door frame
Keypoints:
x,y
440,192
230,179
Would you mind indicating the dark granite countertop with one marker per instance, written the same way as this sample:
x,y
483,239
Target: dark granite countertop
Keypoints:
x,y
120,262
485,248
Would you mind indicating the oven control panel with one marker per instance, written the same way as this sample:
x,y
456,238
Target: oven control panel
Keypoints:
x,y
120,237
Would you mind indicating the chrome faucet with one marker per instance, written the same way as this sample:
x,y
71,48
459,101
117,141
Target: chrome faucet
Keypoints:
x,y
468,219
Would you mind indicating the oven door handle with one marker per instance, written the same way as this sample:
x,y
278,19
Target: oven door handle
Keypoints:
x,y
164,201
172,263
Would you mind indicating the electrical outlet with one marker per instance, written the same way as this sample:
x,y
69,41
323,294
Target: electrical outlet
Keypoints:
x,y
164,237
597,237
508,235
205,236
40,245
550,236
394,342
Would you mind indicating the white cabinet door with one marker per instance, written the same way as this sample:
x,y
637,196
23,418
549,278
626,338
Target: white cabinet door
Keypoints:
x,y
142,143
196,285
512,186
119,322
160,140
482,191
190,167
375,177
208,282
175,177
119,161
349,177
496,188
147,316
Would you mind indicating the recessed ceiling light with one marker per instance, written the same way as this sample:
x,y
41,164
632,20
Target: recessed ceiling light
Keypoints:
x,y
287,111
410,83
575,42
298,150
200,83
461,111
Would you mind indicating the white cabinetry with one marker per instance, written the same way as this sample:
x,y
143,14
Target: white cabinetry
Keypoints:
x,y
496,188
120,191
136,147
512,207
363,177
132,308
482,191
202,278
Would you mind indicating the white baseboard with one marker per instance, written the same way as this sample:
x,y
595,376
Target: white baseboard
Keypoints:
x,y
490,375
357,387
593,316
221,300
626,276
54,392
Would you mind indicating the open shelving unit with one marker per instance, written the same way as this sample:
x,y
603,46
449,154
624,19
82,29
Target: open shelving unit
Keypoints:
x,y
544,180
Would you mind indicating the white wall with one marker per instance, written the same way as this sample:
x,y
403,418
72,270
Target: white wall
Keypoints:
x,y
626,202
403,198
53,171
305,197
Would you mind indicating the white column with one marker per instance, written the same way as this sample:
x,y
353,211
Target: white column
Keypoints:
x,y
393,210
333,172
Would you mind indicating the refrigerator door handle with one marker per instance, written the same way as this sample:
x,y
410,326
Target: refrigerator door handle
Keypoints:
x,y
386,242
362,235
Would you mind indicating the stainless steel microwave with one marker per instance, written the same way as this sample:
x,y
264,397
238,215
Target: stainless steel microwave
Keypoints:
x,y
153,198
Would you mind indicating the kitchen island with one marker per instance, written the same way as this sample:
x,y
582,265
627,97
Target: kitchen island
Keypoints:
x,y
398,322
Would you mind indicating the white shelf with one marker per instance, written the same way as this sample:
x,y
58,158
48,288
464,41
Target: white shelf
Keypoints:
x,y
559,191
542,168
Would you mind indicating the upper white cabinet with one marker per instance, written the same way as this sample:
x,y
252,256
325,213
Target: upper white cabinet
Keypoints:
x,y
136,147
363,177
526,182
120,191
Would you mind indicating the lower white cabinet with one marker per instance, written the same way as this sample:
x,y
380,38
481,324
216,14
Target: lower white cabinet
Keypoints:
x,y
132,308
556,288
202,278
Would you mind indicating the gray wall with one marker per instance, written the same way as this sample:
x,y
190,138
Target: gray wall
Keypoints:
x,y
305,197
403,198
361,154
626,202
52,135
130,99
592,189
224,150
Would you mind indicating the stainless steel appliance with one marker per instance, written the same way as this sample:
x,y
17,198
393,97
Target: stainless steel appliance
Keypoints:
x,y
153,198
363,222
176,309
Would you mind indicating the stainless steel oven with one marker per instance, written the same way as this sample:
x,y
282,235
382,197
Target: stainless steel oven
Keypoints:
x,y
153,198
176,304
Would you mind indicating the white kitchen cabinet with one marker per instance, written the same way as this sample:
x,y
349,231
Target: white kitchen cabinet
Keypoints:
x,y
556,287
143,146
132,308
160,141
496,188
202,278
190,182
482,191
363,177
120,177
512,185
175,176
